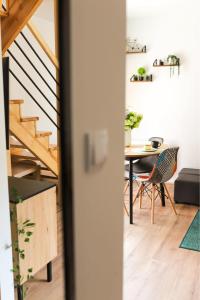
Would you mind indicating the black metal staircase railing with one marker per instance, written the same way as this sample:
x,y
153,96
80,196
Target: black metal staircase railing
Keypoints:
x,y
36,70
32,81
39,58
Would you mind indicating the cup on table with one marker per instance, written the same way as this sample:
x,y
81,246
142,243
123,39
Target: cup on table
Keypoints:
x,y
147,146
155,144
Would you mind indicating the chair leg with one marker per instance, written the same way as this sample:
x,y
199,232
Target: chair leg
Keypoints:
x,y
126,210
136,195
153,203
141,194
126,186
125,189
170,199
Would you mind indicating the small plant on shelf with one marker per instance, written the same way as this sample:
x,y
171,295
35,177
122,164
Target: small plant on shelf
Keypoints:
x,y
172,61
141,76
141,72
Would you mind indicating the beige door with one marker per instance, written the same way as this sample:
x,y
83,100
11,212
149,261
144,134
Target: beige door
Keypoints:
x,y
98,96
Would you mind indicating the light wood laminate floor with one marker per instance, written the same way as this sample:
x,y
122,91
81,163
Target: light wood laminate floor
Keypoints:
x,y
155,268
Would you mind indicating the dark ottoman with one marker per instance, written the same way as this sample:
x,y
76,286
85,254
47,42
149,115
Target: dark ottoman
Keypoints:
x,y
187,187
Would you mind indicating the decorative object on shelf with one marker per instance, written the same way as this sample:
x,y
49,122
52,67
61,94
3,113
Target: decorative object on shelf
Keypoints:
x,y
132,120
172,61
141,77
132,46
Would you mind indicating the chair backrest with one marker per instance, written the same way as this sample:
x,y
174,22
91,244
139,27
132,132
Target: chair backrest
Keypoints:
x,y
165,166
157,139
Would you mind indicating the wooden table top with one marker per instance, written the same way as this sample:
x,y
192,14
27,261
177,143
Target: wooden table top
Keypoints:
x,y
137,151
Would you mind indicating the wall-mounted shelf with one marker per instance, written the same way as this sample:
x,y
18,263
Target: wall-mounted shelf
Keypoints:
x,y
165,63
146,78
138,51
133,47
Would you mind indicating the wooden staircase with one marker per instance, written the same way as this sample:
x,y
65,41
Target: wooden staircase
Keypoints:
x,y
34,144
4,12
19,13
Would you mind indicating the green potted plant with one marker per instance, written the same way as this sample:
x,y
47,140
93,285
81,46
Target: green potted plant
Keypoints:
x,y
132,120
141,72
173,61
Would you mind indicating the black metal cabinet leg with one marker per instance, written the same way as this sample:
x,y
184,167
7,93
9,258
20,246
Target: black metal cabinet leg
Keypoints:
x,y
131,190
20,294
49,272
162,190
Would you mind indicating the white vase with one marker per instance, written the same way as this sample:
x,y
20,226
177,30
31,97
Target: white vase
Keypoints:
x,y
127,138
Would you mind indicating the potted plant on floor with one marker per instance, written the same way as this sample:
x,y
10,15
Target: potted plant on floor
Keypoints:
x,y
132,120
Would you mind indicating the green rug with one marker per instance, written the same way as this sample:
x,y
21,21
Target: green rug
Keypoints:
x,y
191,240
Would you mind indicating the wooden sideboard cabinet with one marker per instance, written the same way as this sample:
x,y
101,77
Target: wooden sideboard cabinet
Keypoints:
x,y
39,206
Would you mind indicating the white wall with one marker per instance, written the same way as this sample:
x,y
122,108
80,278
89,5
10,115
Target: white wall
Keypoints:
x,y
45,24
6,276
98,72
170,105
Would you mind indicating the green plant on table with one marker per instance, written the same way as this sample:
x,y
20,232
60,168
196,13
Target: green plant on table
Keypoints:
x,y
132,120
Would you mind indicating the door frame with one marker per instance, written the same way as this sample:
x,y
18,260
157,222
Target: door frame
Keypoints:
x,y
67,192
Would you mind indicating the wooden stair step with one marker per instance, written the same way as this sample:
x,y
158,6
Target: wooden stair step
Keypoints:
x,y
22,153
43,133
24,168
16,101
20,146
52,147
28,119
47,173
3,14
24,129
14,143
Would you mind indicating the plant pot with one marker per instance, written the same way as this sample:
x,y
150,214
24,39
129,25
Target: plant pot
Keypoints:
x,y
147,78
141,78
127,136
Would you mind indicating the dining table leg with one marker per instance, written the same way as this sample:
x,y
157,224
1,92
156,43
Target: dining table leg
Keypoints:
x,y
131,190
162,191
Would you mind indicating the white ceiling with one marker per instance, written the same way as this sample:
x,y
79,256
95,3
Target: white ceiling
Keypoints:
x,y
134,8
148,7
